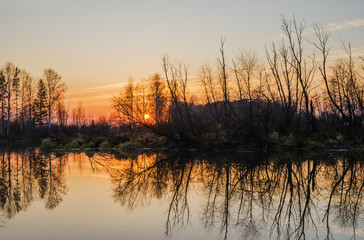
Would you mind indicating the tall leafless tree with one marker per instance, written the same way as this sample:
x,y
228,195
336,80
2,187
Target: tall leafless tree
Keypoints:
x,y
176,76
55,90
158,97
304,68
224,82
11,73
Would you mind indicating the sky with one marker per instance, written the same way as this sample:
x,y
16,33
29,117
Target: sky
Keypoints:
x,y
96,45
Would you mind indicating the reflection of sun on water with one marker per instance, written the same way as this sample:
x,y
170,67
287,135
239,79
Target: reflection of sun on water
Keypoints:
x,y
146,116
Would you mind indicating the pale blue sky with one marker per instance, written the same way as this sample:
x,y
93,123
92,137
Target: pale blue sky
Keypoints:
x,y
96,43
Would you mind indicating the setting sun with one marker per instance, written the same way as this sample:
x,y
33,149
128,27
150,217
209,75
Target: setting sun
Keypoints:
x,y
146,116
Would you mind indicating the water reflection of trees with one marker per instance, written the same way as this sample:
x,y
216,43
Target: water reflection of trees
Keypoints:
x,y
155,177
26,176
292,196
286,196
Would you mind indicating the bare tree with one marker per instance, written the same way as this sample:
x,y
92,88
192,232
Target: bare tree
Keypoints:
x,y
3,91
16,91
209,85
245,71
176,76
29,93
158,97
124,104
55,90
141,100
40,104
344,85
224,83
323,38
286,85
304,70
10,72
25,86
62,113
79,116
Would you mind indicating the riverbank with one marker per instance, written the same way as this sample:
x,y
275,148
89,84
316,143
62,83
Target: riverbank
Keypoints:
x,y
138,141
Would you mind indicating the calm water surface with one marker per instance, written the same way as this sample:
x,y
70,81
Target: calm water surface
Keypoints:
x,y
154,196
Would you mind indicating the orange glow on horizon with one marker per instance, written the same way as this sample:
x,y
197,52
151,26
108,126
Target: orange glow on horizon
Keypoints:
x,y
96,100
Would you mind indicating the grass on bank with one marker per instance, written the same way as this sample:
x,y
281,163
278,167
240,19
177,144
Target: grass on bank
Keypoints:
x,y
122,142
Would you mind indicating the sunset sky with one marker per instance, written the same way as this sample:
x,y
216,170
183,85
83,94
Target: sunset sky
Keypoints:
x,y
97,45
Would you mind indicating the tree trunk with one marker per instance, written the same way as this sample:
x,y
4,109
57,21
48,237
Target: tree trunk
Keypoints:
x,y
49,119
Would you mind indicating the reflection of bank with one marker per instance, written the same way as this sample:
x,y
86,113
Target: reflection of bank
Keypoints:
x,y
26,176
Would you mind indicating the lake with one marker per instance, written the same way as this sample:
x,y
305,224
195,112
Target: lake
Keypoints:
x,y
181,196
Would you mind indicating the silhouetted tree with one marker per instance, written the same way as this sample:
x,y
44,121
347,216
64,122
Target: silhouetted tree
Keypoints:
x,y
24,82
78,116
40,104
62,113
3,92
176,77
303,69
286,85
245,71
224,83
209,84
158,97
55,89
124,104
11,74
29,94
16,90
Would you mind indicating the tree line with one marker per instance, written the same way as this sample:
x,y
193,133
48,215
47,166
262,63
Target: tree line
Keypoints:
x,y
27,103
297,93
293,93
